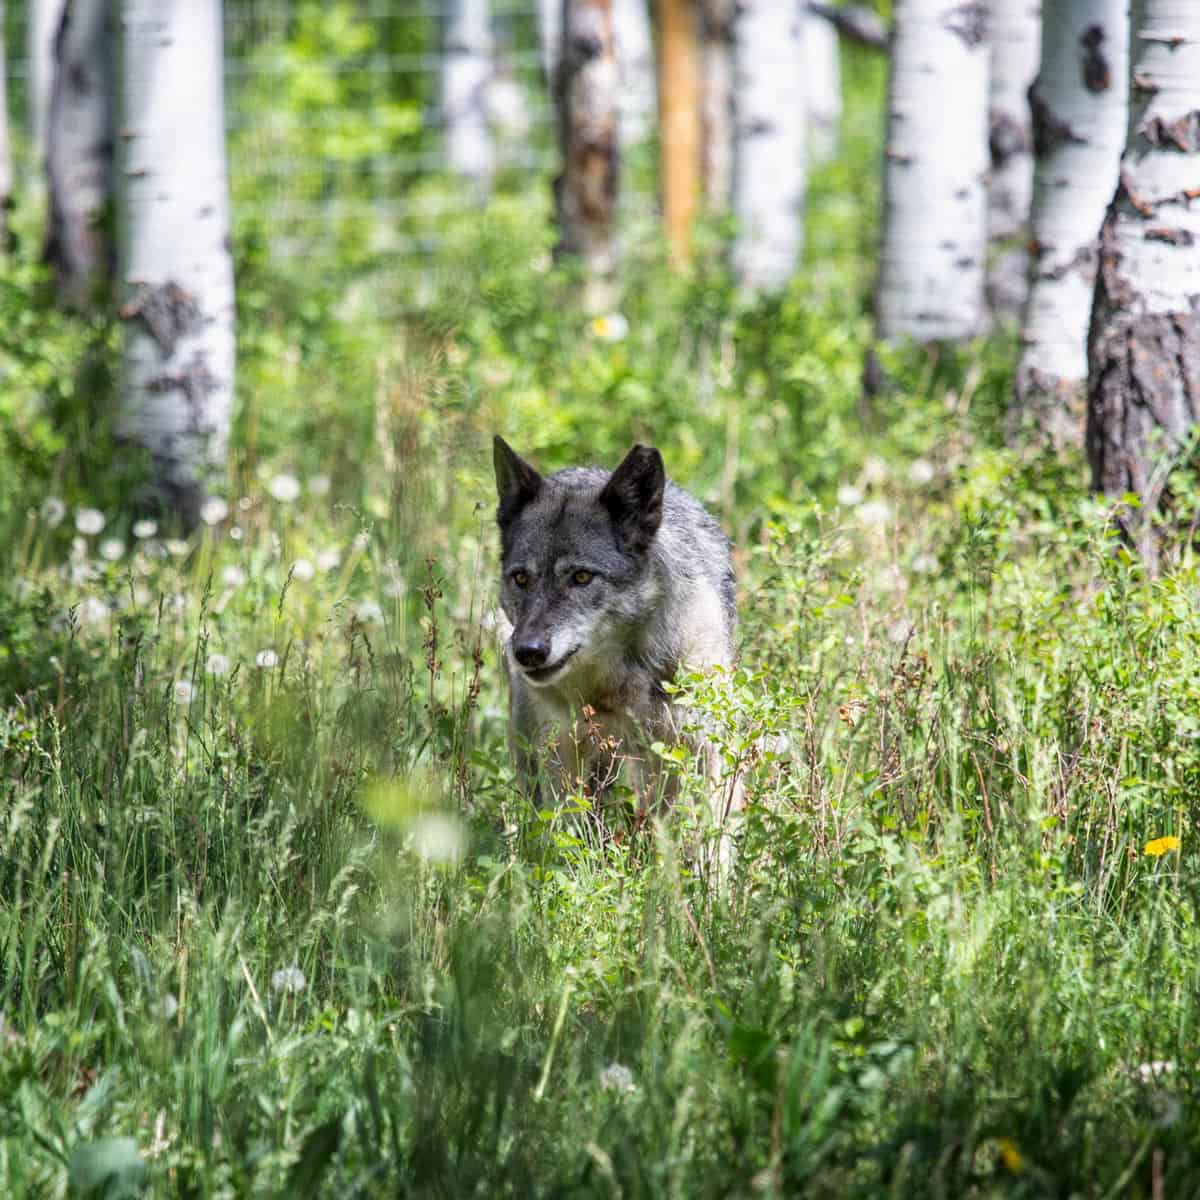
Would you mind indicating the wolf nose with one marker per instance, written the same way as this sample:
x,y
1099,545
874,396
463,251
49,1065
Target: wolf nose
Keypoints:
x,y
531,652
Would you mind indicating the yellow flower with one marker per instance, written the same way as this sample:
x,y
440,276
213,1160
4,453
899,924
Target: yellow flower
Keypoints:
x,y
1010,1155
1160,846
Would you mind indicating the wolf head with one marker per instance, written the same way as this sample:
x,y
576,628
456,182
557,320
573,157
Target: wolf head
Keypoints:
x,y
576,546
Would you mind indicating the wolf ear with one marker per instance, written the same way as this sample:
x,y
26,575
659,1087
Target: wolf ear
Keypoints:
x,y
517,483
634,497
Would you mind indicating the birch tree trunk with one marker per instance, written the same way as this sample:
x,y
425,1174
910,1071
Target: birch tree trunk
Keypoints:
x,y
717,105
823,87
769,173
550,15
585,192
637,107
80,131
1144,341
1016,37
1079,104
935,209
173,226
466,73
45,17
6,166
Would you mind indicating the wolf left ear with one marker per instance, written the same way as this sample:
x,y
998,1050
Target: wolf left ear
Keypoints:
x,y
634,497
517,483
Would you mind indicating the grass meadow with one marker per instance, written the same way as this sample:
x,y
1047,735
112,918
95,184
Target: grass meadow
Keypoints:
x,y
274,919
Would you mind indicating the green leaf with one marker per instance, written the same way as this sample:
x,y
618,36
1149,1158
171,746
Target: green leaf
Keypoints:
x,y
108,1168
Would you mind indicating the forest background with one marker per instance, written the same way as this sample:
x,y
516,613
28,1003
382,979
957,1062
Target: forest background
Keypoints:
x,y
273,917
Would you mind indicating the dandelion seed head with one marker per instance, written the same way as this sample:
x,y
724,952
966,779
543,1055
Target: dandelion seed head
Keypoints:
x,y
145,528
319,485
303,570
617,1077
266,659
233,576
848,496
89,521
214,510
874,514
328,560
875,470
166,1007
361,543
111,549
288,980
53,511
216,664
437,838
925,564
369,613
921,471
183,692
93,611
284,488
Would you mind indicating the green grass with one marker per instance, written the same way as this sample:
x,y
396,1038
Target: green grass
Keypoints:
x,y
278,922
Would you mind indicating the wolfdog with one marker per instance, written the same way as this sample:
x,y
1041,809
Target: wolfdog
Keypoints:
x,y
610,585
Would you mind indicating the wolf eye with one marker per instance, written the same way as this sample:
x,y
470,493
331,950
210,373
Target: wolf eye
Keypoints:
x,y
521,578
581,578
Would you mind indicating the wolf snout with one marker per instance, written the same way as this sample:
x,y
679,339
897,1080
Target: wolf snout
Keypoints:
x,y
531,652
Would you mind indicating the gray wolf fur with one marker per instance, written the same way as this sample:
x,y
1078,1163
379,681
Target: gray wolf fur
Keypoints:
x,y
611,583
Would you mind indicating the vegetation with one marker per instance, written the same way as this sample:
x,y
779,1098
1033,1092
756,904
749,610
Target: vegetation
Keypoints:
x,y
273,919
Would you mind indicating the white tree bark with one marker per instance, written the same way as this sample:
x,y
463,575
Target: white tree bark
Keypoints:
x,y
637,103
79,136
934,220
45,17
769,175
1016,40
823,86
716,69
1079,106
466,73
550,17
173,227
1144,342
6,167
586,190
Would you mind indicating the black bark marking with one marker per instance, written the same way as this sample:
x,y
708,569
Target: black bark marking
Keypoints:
x,y
1173,237
197,383
1181,134
1097,74
168,312
969,22
1006,137
1049,130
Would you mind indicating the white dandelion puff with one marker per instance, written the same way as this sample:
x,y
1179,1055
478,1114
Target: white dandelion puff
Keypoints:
x,y
319,485
266,659
214,510
93,611
166,1007
617,1077
925,563
848,496
875,470
216,664
89,521
144,528
921,472
303,570
183,692
53,511
284,488
328,560
288,980
233,576
874,514
369,613
362,542
176,547
111,549
437,838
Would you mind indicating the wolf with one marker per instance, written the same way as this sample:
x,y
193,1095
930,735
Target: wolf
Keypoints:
x,y
611,583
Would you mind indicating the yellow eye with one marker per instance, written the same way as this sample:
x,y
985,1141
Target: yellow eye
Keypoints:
x,y
581,577
521,578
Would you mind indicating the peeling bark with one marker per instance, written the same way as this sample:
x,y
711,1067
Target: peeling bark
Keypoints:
x,y
466,74
585,192
1079,104
173,225
1144,340
769,141
1015,48
935,207
717,104
79,153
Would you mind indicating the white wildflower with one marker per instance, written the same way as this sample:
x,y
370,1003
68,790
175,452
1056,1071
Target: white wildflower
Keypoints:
x,y
848,496
266,659
921,472
437,838
303,570
319,485
216,664
176,547
369,613
362,542
245,504
214,510
394,585
233,576
1148,1072
925,563
284,488
328,560
235,532
166,1007
144,528
89,520
617,1077
80,573
53,511
183,692
611,328
111,549
289,980
93,611
874,514
875,470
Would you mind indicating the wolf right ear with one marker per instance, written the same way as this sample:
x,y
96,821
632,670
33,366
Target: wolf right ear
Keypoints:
x,y
633,496
517,483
